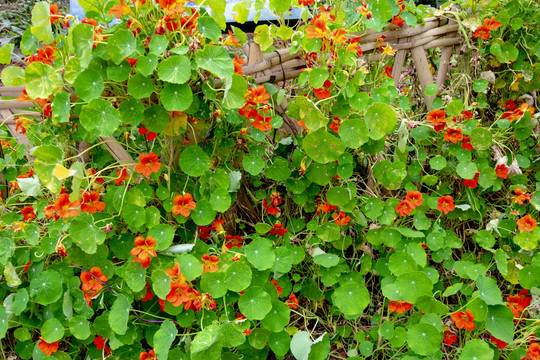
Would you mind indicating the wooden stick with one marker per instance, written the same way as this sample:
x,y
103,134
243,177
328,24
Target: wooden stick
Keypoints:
x,y
399,60
421,65
406,31
12,88
442,43
14,104
26,113
267,64
273,53
295,63
118,152
278,77
444,62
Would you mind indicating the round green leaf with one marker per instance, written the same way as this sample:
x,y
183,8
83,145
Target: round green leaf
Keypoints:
x,y
476,350
156,118
46,288
467,170
279,170
176,69
351,299
238,276
413,285
481,139
140,86
529,276
79,327
260,253
119,314
500,323
214,284
217,60
163,234
194,161
135,275
279,343
118,73
121,45
161,283
278,318
158,44
40,80
131,111
12,76
353,133
52,330
338,196
134,215
220,200
61,107
203,214
209,28
527,240
454,108
100,118
176,97
254,165
190,266
163,339
485,239
323,147
380,119
326,260
255,303
147,64
437,162
424,339
317,77
401,263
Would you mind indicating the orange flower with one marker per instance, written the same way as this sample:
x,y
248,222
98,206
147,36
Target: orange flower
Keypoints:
x,y
217,225
502,171
55,14
279,289
91,203
65,208
516,114
437,118
47,348
207,302
399,306
232,241
172,6
121,176
89,282
472,183
175,274
21,124
464,320
491,24
341,219
482,32
28,213
151,355
446,204
292,302
278,230
263,123
45,55
388,71
526,223
149,163
404,208
210,263
335,124
183,204
415,198
317,28
120,9
257,95
231,40
521,196
306,2
238,62
449,337
324,92
144,250
339,36
533,351
50,211
100,345
453,135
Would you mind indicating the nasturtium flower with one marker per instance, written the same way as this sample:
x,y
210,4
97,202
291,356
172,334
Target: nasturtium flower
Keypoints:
x,y
278,230
148,164
335,124
271,210
54,13
263,123
150,136
120,9
464,320
339,36
437,118
466,144
207,302
388,71
509,105
150,355
533,351
414,197
279,289
90,202
238,62
257,95
94,175
183,204
188,23
172,6
21,123
149,294
323,92
521,196
217,225
28,213
121,175
399,306
453,135
491,24
526,223
232,241
101,344
472,183
90,282
446,204
210,263
292,301
341,219
45,56
404,208
467,114
144,250
231,40
482,31
449,337
316,28
498,343
306,2
47,348
502,171
397,20
204,232
64,208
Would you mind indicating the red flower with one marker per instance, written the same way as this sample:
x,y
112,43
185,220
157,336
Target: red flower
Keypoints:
x,y
121,176
65,208
464,320
55,14
502,171
210,263
519,302
404,208
217,225
28,213
341,219
144,250
491,24
93,173
467,114
324,92
498,343
388,69
449,337
278,288
132,62
466,144
91,203
509,105
149,163
472,183
100,344
399,306
437,118
232,241
271,210
292,302
482,32
150,136
151,355
446,204
262,123
204,232
453,135
149,294
533,351
521,196
275,199
306,2
335,124
278,230
47,348
526,223
415,198
238,62
183,204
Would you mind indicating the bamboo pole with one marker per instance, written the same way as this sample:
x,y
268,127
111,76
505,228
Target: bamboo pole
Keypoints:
x,y
14,104
266,64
